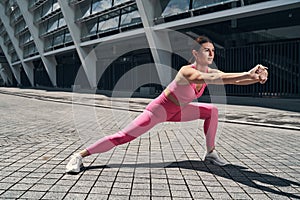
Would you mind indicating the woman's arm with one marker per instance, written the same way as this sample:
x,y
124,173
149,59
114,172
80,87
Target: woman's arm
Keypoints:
x,y
258,69
210,70
246,82
194,76
241,82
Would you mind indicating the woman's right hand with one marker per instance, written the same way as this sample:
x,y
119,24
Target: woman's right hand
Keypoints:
x,y
263,74
259,73
254,73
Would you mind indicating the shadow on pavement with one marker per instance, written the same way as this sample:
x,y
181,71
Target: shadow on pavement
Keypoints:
x,y
239,174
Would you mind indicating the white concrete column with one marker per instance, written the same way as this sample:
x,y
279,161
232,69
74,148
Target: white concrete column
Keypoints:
x,y
88,64
27,67
157,40
6,71
15,71
49,61
4,75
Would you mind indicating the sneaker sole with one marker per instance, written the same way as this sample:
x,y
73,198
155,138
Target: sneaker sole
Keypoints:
x,y
75,171
215,162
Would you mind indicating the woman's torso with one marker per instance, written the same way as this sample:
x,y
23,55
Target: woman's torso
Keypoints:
x,y
181,94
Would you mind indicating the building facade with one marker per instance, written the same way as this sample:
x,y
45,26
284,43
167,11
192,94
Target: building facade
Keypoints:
x,y
138,45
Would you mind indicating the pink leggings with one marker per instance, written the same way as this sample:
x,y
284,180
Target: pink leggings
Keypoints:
x,y
161,110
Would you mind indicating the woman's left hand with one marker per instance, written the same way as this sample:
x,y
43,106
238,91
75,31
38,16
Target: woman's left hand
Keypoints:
x,y
254,72
263,73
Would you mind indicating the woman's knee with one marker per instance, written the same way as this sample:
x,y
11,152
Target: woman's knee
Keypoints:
x,y
214,110
209,111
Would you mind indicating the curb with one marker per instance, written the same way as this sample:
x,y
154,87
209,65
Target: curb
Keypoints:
x,y
61,100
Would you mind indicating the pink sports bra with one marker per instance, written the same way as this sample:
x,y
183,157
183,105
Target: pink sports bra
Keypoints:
x,y
185,93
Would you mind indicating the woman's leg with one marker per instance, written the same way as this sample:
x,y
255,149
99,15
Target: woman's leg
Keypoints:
x,y
208,112
137,127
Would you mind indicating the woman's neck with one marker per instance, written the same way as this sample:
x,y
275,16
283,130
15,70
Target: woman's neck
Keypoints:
x,y
201,68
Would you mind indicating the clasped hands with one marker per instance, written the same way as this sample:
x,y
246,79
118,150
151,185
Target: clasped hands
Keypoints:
x,y
259,72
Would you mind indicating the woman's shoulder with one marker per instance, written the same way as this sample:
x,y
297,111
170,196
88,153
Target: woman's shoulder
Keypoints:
x,y
186,67
183,72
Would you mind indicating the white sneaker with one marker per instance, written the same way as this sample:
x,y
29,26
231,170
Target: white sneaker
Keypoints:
x,y
75,164
215,159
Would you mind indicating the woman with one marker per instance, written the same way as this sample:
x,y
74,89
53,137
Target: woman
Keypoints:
x,y
174,104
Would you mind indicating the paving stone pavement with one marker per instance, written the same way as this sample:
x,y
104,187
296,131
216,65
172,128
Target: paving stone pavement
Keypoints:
x,y
37,136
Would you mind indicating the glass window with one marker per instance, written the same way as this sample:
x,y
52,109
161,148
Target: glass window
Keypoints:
x,y
201,3
130,18
92,27
5,36
33,48
21,40
46,9
26,52
68,37
52,24
31,3
10,47
176,6
37,14
29,50
20,26
14,57
48,43
58,38
96,6
30,38
61,21
2,28
85,9
100,5
55,6
15,14
117,2
25,38
109,24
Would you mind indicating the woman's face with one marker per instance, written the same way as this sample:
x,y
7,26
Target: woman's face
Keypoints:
x,y
205,55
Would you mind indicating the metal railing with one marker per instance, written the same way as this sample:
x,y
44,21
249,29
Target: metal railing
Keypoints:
x,y
174,9
282,59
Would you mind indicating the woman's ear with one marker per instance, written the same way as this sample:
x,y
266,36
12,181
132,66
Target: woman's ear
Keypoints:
x,y
195,53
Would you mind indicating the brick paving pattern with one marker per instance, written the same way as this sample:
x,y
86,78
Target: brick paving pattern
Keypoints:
x,y
37,137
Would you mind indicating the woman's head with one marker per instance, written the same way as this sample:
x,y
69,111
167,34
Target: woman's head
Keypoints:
x,y
201,40
203,51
